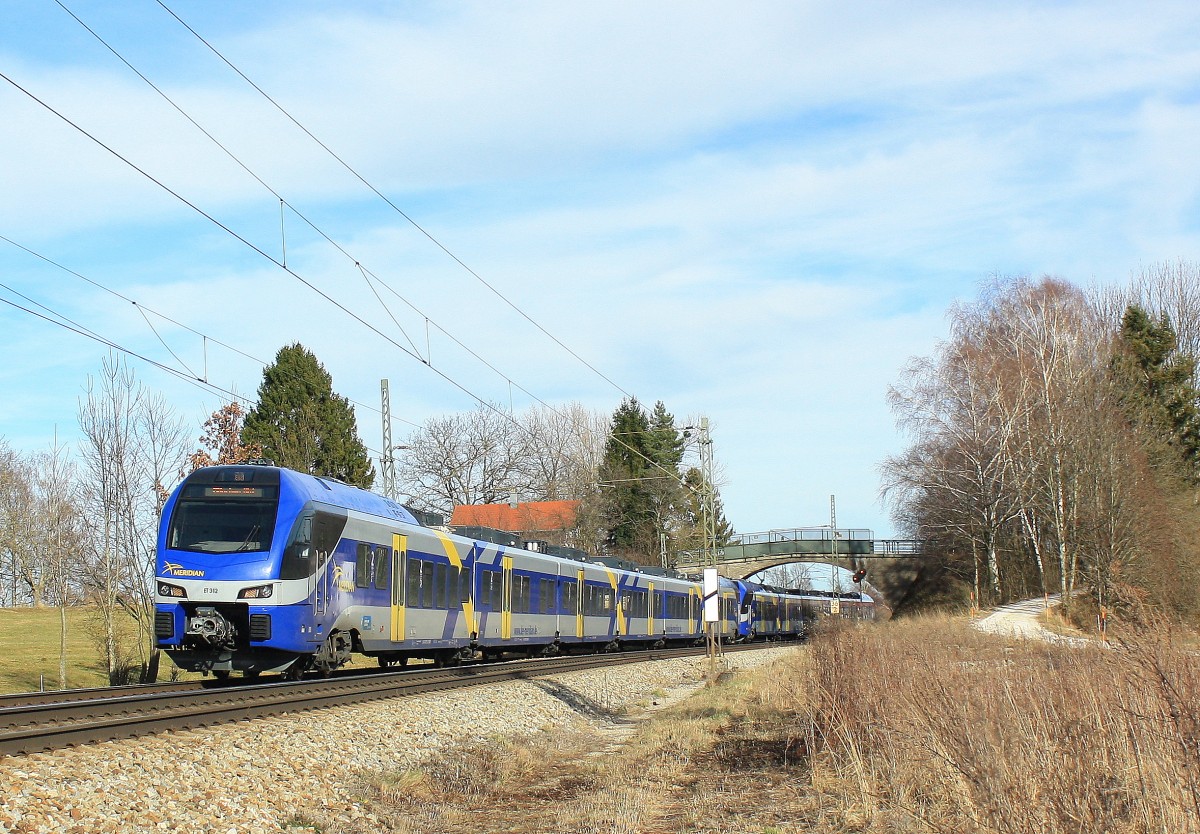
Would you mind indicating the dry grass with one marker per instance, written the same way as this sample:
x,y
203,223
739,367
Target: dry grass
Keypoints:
x,y
927,726
736,746
917,726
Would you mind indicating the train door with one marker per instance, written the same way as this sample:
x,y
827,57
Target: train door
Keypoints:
x,y
325,531
399,572
320,591
579,606
506,565
650,609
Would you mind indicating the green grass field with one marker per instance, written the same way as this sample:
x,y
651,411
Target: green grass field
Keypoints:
x,y
29,649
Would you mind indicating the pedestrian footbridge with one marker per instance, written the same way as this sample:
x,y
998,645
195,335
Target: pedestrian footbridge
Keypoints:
x,y
749,553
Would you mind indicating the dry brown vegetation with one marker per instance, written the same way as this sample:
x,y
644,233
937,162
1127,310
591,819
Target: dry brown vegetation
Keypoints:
x,y
927,726
919,726
731,758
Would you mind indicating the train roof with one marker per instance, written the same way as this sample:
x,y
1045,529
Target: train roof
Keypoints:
x,y
319,488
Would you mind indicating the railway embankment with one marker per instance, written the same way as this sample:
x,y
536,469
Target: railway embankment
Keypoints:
x,y
266,775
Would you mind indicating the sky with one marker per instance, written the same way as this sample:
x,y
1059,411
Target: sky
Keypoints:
x,y
754,212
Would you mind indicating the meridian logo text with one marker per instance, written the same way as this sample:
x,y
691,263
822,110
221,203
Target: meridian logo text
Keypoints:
x,y
175,569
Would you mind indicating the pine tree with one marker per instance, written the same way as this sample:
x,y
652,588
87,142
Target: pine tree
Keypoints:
x,y
1157,380
642,496
665,445
625,464
300,423
691,531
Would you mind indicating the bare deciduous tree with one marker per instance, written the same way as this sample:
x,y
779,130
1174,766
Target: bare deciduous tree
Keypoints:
x,y
1023,457
25,574
486,456
60,536
134,447
222,438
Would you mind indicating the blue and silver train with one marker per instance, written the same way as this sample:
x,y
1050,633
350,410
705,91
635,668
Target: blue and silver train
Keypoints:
x,y
263,569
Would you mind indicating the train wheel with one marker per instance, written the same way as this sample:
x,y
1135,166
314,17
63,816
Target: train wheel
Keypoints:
x,y
296,671
221,674
250,674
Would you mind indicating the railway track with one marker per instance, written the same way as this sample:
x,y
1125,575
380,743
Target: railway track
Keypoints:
x,y
45,721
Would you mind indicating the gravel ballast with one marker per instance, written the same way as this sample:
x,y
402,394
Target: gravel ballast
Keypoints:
x,y
259,776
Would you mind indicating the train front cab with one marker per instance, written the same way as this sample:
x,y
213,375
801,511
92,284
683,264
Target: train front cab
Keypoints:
x,y
221,603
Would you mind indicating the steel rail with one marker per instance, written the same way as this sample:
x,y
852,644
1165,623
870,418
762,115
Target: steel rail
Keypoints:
x,y
55,696
30,728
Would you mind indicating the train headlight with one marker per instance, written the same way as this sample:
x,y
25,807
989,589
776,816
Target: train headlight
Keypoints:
x,y
257,592
166,589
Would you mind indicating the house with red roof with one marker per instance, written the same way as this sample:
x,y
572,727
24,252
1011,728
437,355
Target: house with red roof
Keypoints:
x,y
548,521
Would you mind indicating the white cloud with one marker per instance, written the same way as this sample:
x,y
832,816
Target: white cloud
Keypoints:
x,y
753,212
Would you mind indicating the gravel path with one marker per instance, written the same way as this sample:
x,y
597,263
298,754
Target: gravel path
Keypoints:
x,y
255,777
1020,619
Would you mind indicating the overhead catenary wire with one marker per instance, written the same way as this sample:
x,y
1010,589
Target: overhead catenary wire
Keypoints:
x,y
390,203
281,263
59,320
367,274
144,309
446,377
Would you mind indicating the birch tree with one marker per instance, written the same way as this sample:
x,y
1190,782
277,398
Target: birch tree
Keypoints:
x,y
59,531
133,448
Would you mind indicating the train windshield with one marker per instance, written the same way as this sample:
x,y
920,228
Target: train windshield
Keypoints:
x,y
215,518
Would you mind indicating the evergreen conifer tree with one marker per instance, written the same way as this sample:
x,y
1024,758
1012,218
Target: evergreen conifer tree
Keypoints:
x,y
300,423
643,498
622,470
1157,381
691,533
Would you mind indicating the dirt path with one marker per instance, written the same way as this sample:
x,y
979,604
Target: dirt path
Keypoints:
x,y
1020,619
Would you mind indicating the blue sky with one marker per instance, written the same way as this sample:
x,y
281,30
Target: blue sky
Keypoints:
x,y
753,212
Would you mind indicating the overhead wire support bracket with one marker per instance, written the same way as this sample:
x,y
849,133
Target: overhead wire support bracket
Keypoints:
x,y
282,233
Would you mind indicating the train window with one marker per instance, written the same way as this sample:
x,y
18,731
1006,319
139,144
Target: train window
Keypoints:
x,y
426,584
602,600
659,607
545,596
485,590
327,532
570,596
464,584
414,583
521,594
362,571
497,591
439,585
383,567
214,519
